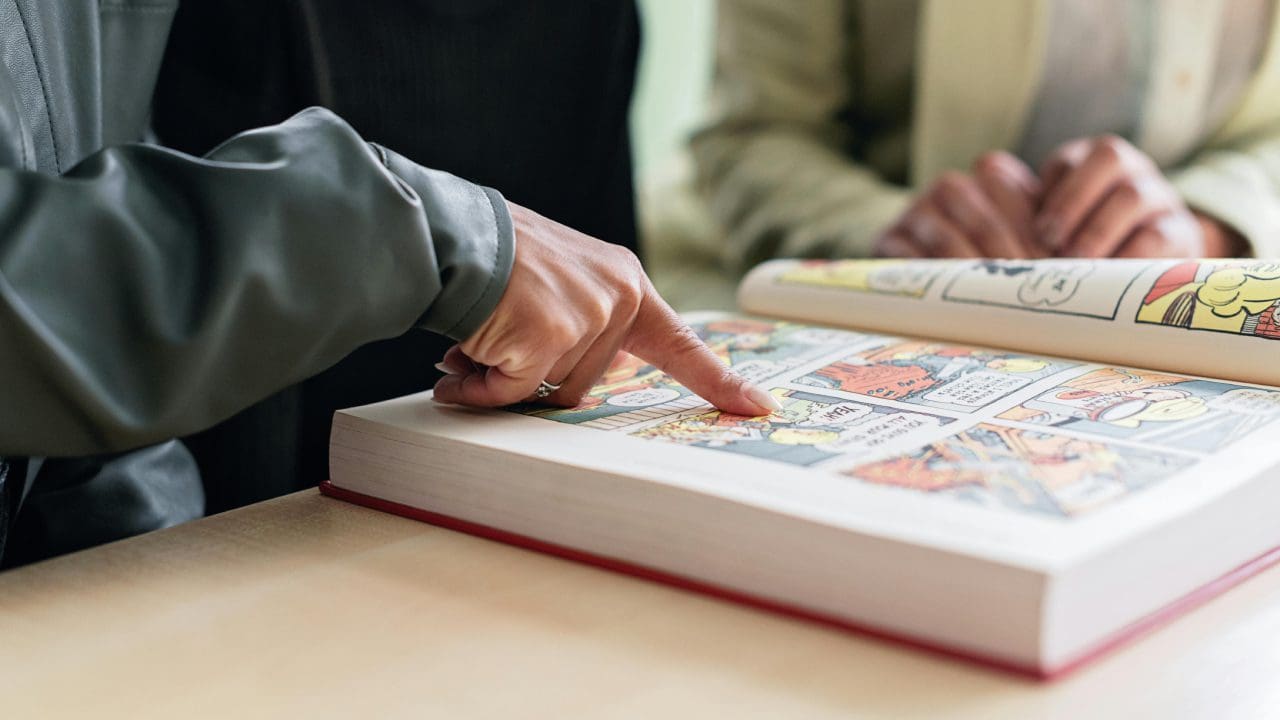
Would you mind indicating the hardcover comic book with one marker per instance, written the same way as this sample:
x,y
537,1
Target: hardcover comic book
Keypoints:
x,y
1007,428
1021,462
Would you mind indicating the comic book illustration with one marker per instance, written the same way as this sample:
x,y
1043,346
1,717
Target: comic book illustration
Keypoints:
x,y
1144,406
1238,297
1064,287
949,377
906,278
809,429
633,391
1024,470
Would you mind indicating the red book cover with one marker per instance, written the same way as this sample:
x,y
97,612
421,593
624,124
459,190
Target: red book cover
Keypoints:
x,y
1135,630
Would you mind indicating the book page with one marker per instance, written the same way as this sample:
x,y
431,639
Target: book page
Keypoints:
x,y
1079,474
1026,453
1219,318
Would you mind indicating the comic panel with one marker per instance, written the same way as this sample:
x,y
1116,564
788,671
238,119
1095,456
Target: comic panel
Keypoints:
x,y
949,377
633,392
905,278
1024,470
809,429
1241,298
1157,408
1064,287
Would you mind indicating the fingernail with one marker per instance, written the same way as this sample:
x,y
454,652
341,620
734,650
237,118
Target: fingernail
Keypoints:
x,y
763,399
443,387
445,369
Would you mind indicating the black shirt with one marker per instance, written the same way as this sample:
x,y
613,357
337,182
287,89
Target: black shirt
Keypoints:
x,y
531,98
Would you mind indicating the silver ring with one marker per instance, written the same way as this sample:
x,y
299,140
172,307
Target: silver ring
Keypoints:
x,y
544,389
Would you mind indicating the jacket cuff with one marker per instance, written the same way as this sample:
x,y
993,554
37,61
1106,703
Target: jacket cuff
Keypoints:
x,y
1236,194
473,241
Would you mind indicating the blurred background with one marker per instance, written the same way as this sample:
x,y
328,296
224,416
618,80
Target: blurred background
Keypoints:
x,y
671,89
675,73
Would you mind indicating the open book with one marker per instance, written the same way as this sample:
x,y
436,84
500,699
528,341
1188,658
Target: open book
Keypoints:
x,y
1043,459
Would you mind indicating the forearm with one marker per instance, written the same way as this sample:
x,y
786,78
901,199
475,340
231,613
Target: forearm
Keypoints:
x,y
148,294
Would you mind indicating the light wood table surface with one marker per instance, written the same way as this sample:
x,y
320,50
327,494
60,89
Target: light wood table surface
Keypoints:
x,y
308,607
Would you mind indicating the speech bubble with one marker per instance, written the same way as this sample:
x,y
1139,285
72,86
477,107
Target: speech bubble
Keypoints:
x,y
882,430
1248,401
977,389
644,398
838,414
902,279
1052,283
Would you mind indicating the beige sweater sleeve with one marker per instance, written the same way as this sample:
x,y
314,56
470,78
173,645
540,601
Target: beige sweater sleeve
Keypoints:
x,y
771,162
1239,184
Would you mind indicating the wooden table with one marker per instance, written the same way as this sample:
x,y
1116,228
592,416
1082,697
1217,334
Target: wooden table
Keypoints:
x,y
307,607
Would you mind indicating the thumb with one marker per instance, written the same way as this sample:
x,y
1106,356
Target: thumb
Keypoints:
x,y
490,387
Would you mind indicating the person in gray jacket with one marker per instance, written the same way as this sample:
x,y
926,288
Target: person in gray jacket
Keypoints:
x,y
146,294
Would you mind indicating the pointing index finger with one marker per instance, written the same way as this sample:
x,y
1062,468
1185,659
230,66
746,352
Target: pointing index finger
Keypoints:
x,y
660,337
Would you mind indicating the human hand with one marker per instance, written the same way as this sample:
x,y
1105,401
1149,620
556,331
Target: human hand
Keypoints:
x,y
987,213
571,304
1103,197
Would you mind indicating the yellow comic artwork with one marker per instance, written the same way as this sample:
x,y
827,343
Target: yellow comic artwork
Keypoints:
x,y
1024,470
1151,407
1242,298
810,428
906,278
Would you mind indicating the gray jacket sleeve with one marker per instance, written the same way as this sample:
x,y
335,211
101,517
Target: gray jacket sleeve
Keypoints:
x,y
147,294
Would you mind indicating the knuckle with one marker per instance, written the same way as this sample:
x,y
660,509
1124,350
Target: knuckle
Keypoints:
x,y
630,279
990,163
950,195
560,333
732,381
595,312
1110,149
628,300
625,259
1073,151
1129,192
600,313
925,228
951,182
685,341
1060,156
1112,144
1105,158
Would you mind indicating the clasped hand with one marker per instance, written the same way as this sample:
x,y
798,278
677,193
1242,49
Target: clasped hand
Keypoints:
x,y
1094,197
571,304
